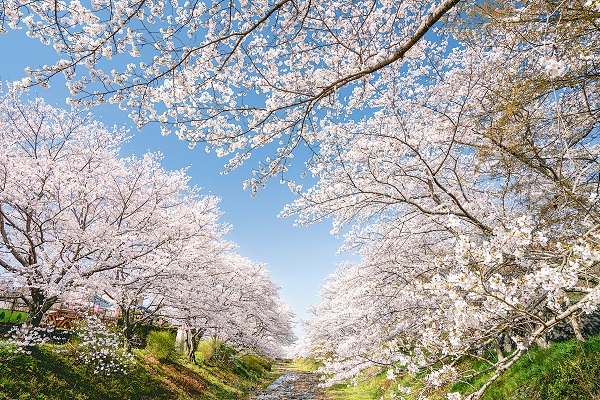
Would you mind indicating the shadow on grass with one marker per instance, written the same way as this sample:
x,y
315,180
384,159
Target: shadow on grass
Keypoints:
x,y
47,375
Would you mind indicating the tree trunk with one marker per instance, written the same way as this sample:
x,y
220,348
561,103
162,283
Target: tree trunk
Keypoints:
x,y
190,343
191,338
498,350
507,345
38,305
541,342
190,346
576,329
127,346
128,327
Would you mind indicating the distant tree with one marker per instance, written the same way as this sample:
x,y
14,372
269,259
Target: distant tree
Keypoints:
x,y
138,288
77,220
231,298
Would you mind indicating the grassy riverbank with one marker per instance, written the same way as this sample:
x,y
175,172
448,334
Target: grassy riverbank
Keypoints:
x,y
45,374
564,371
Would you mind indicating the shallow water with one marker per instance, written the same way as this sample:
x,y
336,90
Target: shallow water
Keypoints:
x,y
292,385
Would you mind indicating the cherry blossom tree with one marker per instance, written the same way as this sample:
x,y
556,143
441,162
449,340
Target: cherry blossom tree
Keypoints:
x,y
74,214
145,282
473,201
233,300
54,165
259,319
77,220
409,311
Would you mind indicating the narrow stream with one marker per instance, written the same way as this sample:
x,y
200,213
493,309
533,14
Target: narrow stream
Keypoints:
x,y
292,385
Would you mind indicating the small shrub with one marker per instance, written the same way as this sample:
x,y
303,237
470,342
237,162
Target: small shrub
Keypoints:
x,y
256,363
571,379
205,350
223,353
161,344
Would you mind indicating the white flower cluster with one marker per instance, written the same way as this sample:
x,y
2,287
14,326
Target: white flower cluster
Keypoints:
x,y
442,375
96,345
101,347
22,338
590,3
553,67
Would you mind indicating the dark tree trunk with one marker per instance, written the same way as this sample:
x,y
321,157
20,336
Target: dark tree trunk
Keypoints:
x,y
498,350
507,342
129,326
38,305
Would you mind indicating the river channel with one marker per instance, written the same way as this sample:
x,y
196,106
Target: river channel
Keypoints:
x,y
293,384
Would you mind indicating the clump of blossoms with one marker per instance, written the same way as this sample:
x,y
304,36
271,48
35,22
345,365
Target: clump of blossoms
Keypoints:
x,y
487,291
553,67
96,345
101,347
22,338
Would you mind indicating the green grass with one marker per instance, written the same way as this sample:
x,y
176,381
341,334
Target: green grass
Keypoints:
x,y
12,316
306,365
564,371
567,370
47,375
372,387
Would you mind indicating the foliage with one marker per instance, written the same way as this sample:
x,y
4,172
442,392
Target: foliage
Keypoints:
x,y
365,388
100,348
23,338
251,366
161,344
48,374
566,370
223,353
205,350
143,330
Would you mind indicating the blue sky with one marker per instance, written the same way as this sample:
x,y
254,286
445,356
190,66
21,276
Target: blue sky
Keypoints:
x,y
299,258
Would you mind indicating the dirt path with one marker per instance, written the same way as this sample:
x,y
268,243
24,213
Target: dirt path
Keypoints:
x,y
293,384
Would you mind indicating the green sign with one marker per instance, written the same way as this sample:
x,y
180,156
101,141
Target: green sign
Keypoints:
x,y
18,317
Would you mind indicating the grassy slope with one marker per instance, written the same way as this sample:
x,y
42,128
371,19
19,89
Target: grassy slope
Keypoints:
x,y
47,375
565,371
372,387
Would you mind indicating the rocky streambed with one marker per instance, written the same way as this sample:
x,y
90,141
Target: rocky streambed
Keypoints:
x,y
292,384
